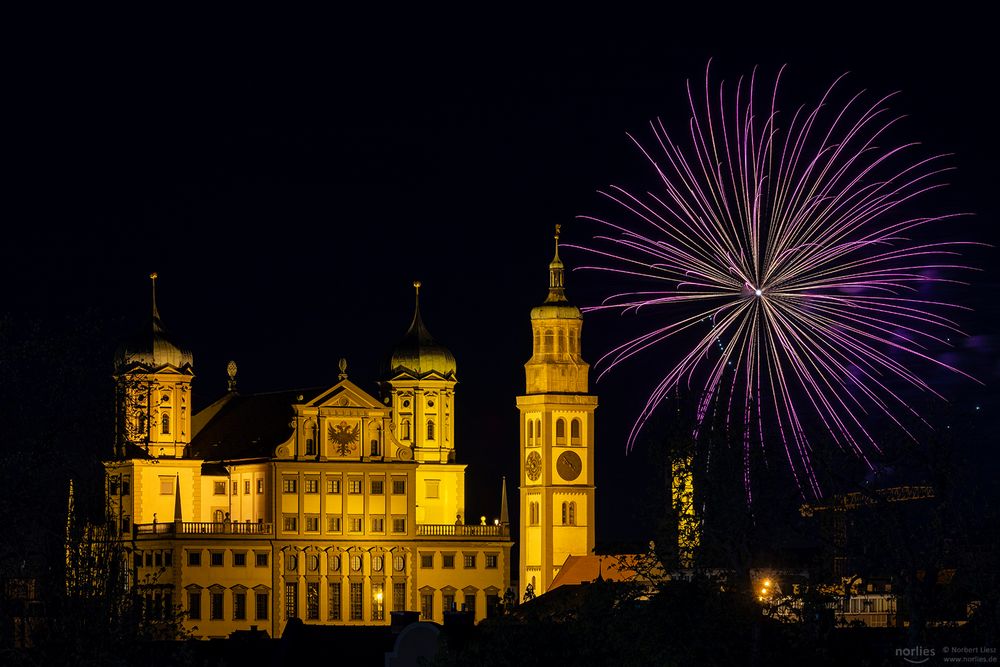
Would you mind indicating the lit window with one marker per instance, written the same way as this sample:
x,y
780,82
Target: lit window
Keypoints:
x,y
377,487
378,562
398,562
470,561
334,564
356,563
333,524
312,524
491,561
291,563
357,590
333,486
236,488
334,612
312,600
260,486
399,487
357,524
354,486
378,524
291,600
246,487
288,485
290,523
378,602
399,524
166,485
219,488
312,563
312,485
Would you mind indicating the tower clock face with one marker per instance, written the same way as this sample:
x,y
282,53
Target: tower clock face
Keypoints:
x,y
533,466
569,466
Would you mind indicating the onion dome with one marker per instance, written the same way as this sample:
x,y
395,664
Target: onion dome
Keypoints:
x,y
556,306
152,347
418,354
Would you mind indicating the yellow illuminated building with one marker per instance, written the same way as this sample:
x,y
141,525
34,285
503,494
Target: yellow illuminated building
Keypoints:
x,y
557,441
323,504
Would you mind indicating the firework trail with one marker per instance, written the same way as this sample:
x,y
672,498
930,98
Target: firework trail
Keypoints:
x,y
784,240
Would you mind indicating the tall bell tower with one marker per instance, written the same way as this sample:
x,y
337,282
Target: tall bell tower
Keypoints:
x,y
557,440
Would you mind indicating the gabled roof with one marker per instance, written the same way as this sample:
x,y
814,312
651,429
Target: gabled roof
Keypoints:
x,y
585,569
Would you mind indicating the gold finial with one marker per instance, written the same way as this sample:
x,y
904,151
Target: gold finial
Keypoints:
x,y
416,285
558,228
231,372
342,364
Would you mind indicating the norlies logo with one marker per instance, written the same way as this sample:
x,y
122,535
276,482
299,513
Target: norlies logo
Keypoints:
x,y
916,655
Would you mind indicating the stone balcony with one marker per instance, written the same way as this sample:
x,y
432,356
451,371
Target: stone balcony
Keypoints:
x,y
236,529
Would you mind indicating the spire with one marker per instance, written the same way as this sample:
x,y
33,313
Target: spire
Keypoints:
x,y
504,514
157,325
177,500
231,371
557,292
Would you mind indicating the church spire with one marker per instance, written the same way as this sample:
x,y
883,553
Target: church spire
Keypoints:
x,y
504,513
557,291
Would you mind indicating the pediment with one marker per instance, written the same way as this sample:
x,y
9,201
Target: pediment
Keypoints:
x,y
346,394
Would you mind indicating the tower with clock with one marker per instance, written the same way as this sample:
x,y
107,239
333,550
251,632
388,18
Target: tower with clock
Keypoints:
x,y
557,440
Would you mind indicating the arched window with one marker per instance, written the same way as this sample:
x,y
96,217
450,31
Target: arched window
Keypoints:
x,y
165,424
404,429
531,431
430,429
574,432
375,448
538,431
560,431
565,513
533,514
220,516
538,339
548,341
560,340
573,342
572,513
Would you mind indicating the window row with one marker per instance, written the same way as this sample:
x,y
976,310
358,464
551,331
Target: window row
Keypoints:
x,y
154,558
450,601
533,434
469,560
216,603
406,429
217,558
335,523
119,485
336,599
355,486
219,487
350,562
567,515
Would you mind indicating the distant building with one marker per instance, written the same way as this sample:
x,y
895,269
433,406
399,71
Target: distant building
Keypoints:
x,y
323,504
557,441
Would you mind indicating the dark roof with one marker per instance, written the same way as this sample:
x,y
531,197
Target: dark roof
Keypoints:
x,y
246,427
418,354
152,348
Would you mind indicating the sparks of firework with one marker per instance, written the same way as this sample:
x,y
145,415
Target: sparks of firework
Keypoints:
x,y
788,236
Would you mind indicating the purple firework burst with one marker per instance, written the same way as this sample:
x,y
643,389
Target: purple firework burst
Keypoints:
x,y
785,245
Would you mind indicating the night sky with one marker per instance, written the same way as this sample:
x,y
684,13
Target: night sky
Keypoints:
x,y
288,188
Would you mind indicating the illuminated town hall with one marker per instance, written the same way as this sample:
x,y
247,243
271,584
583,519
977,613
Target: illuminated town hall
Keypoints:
x,y
336,507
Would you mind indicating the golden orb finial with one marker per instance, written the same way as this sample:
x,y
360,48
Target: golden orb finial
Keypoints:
x,y
416,285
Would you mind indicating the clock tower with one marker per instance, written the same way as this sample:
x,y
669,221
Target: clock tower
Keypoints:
x,y
557,440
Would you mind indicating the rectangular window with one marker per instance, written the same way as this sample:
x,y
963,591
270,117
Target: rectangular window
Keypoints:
x,y
215,558
291,600
334,611
354,486
312,485
246,487
470,561
166,485
448,602
377,487
427,606
239,606
378,524
219,488
312,524
149,559
168,558
491,561
432,487
357,590
378,602
216,606
260,486
260,558
356,524
399,596
448,561
333,486
126,484
333,524
289,485
113,481
194,605
158,559
290,523
470,603
399,524
194,558
310,447
262,605
312,600
236,488
126,524
137,559
426,560
239,558
399,487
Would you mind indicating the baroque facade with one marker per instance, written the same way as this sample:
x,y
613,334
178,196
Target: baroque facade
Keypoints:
x,y
322,504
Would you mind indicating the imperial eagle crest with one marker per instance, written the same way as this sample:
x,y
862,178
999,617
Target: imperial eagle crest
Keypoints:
x,y
343,436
